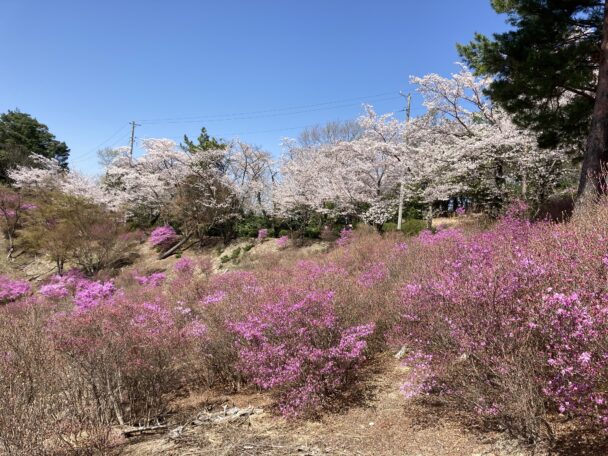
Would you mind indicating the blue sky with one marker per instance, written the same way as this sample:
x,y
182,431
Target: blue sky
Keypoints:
x,y
260,69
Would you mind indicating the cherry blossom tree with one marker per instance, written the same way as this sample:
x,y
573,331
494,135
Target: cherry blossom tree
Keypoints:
x,y
251,172
357,177
48,175
486,154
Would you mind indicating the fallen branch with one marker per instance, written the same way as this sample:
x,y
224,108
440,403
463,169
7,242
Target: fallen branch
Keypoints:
x,y
145,430
31,279
174,249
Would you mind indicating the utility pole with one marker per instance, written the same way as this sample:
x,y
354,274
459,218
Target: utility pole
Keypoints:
x,y
133,125
408,106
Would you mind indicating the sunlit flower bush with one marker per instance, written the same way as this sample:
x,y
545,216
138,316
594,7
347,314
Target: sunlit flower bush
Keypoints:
x,y
297,346
513,323
283,242
163,237
11,289
262,234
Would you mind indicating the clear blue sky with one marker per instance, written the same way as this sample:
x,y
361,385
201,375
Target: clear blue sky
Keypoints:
x,y
86,68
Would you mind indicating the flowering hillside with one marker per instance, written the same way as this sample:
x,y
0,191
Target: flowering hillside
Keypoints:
x,y
508,325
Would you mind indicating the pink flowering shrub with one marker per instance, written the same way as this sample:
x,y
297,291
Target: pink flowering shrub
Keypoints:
x,y
163,237
54,290
135,346
184,265
512,323
12,211
155,279
427,237
297,346
66,285
283,242
372,275
345,237
262,234
11,290
90,294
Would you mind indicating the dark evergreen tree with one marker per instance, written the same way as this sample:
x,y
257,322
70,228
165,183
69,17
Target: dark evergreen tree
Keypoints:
x,y
548,72
205,142
21,135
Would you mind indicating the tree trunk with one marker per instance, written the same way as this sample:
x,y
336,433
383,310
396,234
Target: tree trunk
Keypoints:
x,y
401,198
596,155
173,249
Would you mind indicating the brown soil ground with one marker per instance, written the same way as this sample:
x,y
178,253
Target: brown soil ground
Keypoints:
x,y
382,424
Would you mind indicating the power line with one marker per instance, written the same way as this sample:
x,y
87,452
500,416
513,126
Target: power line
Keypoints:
x,y
109,137
266,113
236,134
276,112
96,148
121,139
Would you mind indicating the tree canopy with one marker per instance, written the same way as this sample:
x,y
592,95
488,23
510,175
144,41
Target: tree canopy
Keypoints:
x,y
22,136
545,67
205,142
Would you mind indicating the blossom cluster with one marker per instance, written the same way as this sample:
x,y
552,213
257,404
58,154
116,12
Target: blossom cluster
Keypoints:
x,y
11,289
163,237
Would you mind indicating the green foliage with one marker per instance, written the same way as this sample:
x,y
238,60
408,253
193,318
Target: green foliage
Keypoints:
x,y
409,226
389,226
106,156
249,226
21,135
234,256
412,226
284,233
312,232
544,68
247,247
204,142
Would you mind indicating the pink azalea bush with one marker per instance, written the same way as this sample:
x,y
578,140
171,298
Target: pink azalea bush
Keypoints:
x,y
155,279
136,346
427,237
90,294
345,237
262,234
163,237
184,265
297,346
11,290
283,242
512,323
372,275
